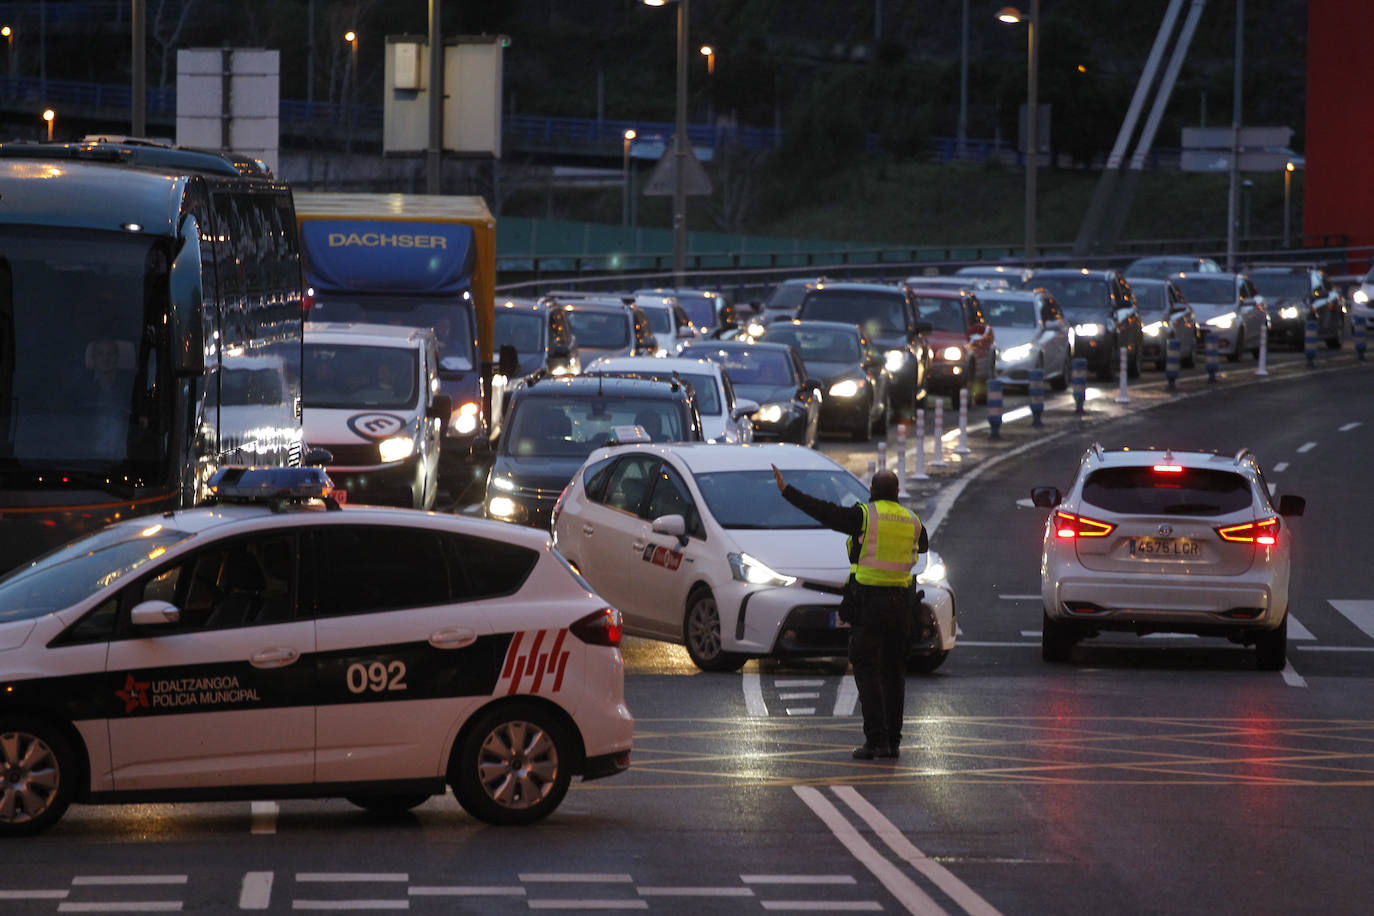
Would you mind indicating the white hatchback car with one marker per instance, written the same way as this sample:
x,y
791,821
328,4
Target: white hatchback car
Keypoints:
x,y
694,544
724,418
252,651
1161,541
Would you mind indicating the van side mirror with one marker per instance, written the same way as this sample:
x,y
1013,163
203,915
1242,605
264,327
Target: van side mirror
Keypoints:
x,y
1046,497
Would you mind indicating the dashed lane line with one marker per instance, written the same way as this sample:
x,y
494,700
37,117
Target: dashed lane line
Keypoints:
x,y
1306,447
753,695
255,892
1290,676
1279,466
1348,427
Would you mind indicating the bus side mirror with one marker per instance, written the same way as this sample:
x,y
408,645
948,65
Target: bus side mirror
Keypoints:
x,y
187,331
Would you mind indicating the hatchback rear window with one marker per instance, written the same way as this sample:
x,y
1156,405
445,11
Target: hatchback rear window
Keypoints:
x,y
1146,491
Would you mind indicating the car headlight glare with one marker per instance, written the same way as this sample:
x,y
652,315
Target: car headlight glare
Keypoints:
x,y
747,569
1153,329
1288,312
769,413
504,484
846,388
894,360
952,354
934,573
1361,297
502,507
397,448
464,419
1223,322
755,329
1017,353
1087,329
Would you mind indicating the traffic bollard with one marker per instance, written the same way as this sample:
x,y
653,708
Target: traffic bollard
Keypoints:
x,y
937,438
1121,396
901,449
962,448
1309,342
882,456
995,407
1358,327
1211,351
872,469
1171,362
1079,375
920,445
1037,395
1263,368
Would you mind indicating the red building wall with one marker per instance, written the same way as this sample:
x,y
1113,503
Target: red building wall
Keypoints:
x,y
1338,187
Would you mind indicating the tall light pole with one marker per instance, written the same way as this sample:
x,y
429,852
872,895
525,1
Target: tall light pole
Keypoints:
x,y
1287,180
709,53
625,179
679,146
1013,15
351,86
9,50
50,116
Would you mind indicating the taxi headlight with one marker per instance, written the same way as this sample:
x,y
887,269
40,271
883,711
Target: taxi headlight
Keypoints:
x,y
1017,353
933,573
1288,312
747,569
397,448
1223,321
845,389
952,354
502,507
1361,297
769,413
1087,329
1154,329
894,360
464,419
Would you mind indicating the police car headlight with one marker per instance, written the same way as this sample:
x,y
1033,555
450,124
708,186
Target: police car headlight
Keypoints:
x,y
895,360
1087,329
844,389
1017,353
1223,321
747,569
1154,329
769,413
502,507
464,419
397,448
1289,312
933,573
1361,297
952,354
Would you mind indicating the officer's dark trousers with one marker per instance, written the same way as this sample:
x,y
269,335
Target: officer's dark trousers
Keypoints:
x,y
877,649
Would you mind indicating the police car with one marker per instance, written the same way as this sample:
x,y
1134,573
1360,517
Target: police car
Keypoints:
x,y
695,545
279,650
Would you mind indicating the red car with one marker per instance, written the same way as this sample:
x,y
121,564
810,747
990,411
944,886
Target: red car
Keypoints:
x,y
963,349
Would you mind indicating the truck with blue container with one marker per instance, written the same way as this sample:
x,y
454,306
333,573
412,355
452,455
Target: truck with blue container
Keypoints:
x,y
424,261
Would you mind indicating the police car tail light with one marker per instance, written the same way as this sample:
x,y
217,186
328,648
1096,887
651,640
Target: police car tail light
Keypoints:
x,y
600,628
1069,525
1264,532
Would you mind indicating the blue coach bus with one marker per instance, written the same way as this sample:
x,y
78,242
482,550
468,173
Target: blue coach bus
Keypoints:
x,y
150,332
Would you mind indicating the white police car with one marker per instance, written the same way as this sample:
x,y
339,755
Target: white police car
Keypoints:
x,y
251,651
695,545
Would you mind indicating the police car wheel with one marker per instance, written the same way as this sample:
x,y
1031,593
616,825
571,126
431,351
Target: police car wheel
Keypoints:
x,y
389,804
926,662
514,766
37,776
701,634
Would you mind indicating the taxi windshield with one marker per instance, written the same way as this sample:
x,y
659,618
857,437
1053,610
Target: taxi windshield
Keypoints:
x,y
81,568
750,499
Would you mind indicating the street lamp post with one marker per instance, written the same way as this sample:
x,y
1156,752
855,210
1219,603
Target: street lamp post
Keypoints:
x,y
709,53
1287,180
625,179
9,50
1012,15
351,82
50,116
679,146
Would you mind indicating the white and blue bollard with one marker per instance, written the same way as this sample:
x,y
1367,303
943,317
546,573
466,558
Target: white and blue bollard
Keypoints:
x,y
901,449
1358,330
937,443
1121,396
920,445
1263,368
1037,395
995,407
1211,351
962,448
882,456
1171,359
1309,342
1079,376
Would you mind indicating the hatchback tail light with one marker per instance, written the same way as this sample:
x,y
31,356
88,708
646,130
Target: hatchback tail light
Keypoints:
x,y
1264,532
1068,525
600,628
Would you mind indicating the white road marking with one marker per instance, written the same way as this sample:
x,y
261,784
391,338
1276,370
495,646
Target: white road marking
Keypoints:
x,y
1272,488
1290,676
1335,648
1019,597
255,893
753,695
1279,466
801,710
588,904
1001,645
695,892
474,891
940,876
332,905
798,696
846,698
1297,631
574,878
34,895
353,877
1306,447
824,906
797,879
264,819
908,894
1360,613
799,682
123,906
125,880
1348,427
1025,503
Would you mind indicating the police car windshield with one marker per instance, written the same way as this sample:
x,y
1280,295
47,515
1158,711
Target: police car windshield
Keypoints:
x,y
556,427
750,499
450,319
356,376
81,568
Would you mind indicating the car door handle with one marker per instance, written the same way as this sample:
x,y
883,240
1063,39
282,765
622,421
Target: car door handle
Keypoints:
x,y
453,638
637,546
274,658
588,530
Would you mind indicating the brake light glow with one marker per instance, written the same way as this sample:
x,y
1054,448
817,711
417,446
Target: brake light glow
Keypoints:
x,y
600,628
1168,469
1068,525
1264,532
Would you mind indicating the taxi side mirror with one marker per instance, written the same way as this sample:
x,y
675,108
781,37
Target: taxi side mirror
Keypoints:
x,y
1046,497
673,526
154,614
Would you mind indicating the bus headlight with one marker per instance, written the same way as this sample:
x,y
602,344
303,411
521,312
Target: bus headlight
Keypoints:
x,y
397,448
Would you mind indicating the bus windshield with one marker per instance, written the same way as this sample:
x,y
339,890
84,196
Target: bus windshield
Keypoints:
x,y
450,319
86,398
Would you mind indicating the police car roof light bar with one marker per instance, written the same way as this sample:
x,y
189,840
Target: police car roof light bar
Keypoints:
x,y
275,487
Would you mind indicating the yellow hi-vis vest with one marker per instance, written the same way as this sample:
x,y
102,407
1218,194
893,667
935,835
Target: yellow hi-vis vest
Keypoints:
x,y
889,548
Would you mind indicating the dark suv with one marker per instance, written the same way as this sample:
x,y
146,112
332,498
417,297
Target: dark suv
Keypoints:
x,y
553,424
539,334
1294,293
1101,308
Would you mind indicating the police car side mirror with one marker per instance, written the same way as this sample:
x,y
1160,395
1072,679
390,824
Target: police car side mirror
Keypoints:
x,y
1290,505
154,614
673,526
1046,497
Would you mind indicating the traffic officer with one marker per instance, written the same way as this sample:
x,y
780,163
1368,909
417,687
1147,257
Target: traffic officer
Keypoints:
x,y
878,603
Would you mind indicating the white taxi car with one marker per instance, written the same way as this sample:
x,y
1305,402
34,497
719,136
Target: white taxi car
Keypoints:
x,y
1149,541
724,418
694,544
237,652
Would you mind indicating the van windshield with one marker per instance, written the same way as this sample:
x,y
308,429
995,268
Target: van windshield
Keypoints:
x,y
450,318
351,376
